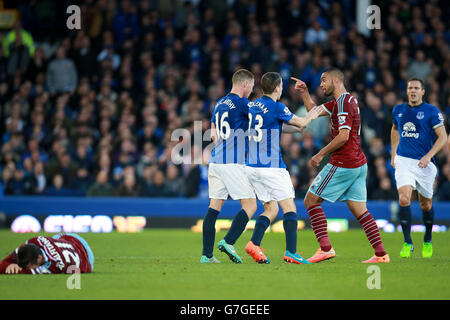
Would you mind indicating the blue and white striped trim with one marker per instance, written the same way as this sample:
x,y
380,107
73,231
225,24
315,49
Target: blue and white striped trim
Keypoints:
x,y
323,107
340,103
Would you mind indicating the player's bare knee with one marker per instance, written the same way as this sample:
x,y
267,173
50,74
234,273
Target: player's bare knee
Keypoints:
x,y
404,200
310,201
426,205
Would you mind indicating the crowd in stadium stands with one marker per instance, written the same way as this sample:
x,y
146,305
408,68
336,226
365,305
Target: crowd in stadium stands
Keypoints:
x,y
90,112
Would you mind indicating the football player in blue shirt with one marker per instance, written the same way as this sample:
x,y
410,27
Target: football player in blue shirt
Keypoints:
x,y
226,172
266,169
417,134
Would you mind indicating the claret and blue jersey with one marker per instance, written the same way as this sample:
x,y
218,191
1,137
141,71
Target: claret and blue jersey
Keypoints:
x,y
416,128
230,117
266,119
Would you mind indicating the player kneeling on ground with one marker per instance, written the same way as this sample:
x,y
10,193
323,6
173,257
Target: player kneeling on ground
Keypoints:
x,y
44,255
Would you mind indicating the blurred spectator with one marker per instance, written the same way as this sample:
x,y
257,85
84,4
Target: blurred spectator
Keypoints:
x,y
101,187
26,39
174,182
129,187
57,188
385,192
158,187
37,182
61,73
419,67
315,34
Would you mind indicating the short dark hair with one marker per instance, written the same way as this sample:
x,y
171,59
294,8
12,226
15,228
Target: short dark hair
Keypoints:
x,y
422,83
335,72
270,81
242,75
27,253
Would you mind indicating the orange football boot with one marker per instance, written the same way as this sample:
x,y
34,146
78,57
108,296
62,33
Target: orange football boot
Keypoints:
x,y
375,259
256,252
321,255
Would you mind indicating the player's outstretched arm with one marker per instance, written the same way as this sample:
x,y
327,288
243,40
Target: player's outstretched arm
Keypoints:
x,y
395,138
301,87
287,128
301,122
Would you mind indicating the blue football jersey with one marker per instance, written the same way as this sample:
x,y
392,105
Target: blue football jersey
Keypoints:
x,y
266,119
416,128
230,116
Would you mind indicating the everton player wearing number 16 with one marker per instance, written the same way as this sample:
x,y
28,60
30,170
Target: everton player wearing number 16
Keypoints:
x,y
61,253
226,175
344,178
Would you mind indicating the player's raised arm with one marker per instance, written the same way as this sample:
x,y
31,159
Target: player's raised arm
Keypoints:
x,y
301,87
395,138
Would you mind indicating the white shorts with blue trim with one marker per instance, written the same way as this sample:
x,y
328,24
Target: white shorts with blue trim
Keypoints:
x,y
408,173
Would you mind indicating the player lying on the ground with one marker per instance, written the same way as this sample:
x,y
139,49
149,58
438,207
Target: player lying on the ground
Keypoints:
x,y
62,253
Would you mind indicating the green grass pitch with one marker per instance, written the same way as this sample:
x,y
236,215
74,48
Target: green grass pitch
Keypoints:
x,y
164,264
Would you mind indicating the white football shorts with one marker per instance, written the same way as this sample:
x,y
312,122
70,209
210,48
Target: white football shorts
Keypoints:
x,y
229,180
408,173
271,183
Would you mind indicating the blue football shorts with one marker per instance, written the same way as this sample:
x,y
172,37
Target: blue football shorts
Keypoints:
x,y
340,184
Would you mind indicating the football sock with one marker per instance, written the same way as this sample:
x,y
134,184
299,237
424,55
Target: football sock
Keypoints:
x,y
261,225
290,230
428,220
209,232
319,226
404,215
373,234
237,227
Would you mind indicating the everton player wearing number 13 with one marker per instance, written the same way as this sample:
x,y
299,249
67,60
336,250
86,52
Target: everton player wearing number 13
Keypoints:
x,y
417,134
62,253
344,178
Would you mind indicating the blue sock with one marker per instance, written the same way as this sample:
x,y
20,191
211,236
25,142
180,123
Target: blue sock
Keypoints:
x,y
261,225
290,230
404,215
428,220
209,232
237,227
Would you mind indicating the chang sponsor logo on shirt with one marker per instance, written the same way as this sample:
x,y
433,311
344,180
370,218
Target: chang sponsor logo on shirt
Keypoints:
x,y
409,131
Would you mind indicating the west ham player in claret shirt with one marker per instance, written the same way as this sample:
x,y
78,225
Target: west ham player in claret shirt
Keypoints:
x,y
62,253
344,178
